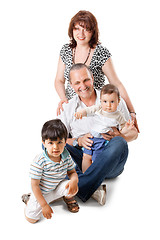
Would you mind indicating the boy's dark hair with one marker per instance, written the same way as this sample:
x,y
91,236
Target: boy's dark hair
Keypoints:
x,y
54,129
110,88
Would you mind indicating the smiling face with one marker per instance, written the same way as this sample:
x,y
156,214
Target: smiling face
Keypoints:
x,y
81,34
109,102
54,148
81,81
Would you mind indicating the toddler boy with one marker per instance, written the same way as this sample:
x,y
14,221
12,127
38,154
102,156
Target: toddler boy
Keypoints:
x,y
105,116
48,172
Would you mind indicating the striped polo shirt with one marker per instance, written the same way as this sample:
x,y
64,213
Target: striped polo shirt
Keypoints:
x,y
50,173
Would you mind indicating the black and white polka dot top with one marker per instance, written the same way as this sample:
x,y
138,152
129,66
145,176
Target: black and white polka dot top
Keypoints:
x,y
100,56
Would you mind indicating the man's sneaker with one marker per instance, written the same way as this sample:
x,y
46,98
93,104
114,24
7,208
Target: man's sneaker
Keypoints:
x,y
100,195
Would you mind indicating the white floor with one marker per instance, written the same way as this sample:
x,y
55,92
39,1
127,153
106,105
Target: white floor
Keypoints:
x,y
32,34
131,210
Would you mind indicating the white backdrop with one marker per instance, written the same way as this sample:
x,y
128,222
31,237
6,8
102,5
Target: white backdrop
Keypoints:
x,y
32,34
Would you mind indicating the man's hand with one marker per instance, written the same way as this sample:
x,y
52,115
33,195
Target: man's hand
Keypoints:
x,y
111,134
47,211
85,141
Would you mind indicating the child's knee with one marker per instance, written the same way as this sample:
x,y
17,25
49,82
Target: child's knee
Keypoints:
x,y
31,220
87,157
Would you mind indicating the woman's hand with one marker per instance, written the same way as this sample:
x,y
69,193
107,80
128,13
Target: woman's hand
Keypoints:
x,y
85,141
60,107
47,211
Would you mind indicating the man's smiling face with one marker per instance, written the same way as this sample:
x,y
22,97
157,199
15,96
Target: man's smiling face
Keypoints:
x,y
81,81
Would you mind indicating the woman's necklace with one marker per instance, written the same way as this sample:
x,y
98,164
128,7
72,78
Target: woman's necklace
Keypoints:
x,y
74,52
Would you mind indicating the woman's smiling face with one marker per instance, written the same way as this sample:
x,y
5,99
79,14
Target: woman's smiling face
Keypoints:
x,y
81,34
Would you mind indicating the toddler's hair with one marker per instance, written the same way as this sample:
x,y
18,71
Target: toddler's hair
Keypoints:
x,y
53,130
110,88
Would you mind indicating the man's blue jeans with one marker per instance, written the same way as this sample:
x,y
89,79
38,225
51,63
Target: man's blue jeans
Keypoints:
x,y
108,164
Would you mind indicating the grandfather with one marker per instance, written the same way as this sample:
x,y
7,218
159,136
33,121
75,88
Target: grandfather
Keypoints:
x,y
110,162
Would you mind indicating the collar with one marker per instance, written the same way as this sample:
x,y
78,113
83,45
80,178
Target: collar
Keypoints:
x,y
80,103
109,113
45,154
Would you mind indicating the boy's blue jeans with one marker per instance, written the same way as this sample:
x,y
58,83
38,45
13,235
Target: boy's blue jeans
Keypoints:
x,y
108,164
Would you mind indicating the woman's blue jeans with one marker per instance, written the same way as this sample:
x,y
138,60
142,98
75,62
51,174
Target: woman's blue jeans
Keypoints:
x,y
108,164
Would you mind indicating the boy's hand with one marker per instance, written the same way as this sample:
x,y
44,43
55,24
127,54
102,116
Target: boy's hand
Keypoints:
x,y
78,115
133,116
47,211
129,124
72,187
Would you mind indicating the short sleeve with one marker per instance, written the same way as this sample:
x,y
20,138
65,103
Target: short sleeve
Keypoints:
x,y
36,169
64,52
103,54
71,163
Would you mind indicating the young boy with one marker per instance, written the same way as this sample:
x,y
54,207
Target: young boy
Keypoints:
x,y
48,172
105,116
